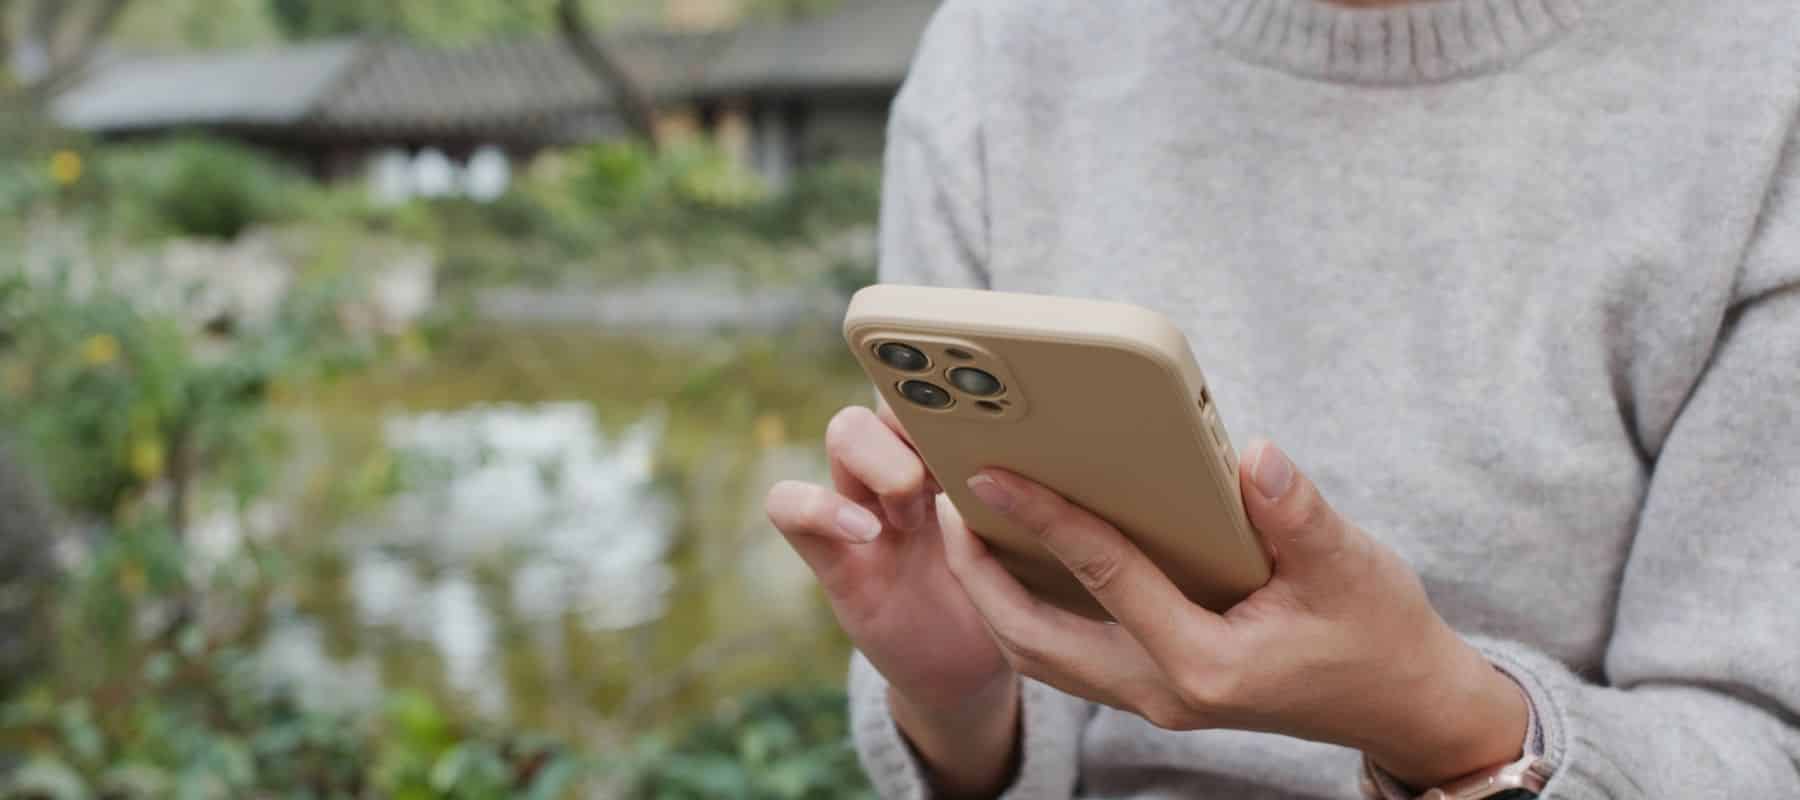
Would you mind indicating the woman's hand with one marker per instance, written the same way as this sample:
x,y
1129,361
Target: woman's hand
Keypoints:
x,y
1340,646
874,543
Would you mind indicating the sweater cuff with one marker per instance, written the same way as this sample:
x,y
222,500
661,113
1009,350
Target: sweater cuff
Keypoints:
x,y
1547,684
1050,720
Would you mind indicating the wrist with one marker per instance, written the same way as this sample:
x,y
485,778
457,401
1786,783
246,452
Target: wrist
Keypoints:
x,y
968,749
1474,719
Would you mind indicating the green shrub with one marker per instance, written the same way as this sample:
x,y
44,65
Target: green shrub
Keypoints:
x,y
780,745
828,197
185,714
107,400
200,187
684,188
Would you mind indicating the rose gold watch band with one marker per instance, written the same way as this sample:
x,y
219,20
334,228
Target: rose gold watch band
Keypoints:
x,y
1530,773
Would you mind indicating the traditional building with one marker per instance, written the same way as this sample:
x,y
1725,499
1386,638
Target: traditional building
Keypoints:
x,y
781,95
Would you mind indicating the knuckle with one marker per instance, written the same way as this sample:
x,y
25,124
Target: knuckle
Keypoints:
x,y
1098,572
1042,516
800,509
1168,715
857,440
1022,649
904,480
1212,690
1199,691
841,431
1022,665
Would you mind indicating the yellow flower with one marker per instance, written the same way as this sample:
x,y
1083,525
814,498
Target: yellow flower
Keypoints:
x,y
147,458
769,431
100,349
132,580
16,379
65,167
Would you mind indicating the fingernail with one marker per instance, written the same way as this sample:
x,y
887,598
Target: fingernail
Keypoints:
x,y
992,493
1274,472
857,523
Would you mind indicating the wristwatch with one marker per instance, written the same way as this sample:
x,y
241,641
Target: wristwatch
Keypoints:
x,y
1523,779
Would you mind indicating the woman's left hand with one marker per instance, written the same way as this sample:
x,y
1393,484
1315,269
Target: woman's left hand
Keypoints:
x,y
1341,645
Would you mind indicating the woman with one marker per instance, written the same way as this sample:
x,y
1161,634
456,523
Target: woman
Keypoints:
x,y
1516,281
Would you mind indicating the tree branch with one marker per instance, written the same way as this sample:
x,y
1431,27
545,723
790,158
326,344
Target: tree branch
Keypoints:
x,y
634,104
81,51
46,58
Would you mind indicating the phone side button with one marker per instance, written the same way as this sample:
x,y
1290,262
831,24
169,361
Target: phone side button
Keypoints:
x,y
1220,437
1215,430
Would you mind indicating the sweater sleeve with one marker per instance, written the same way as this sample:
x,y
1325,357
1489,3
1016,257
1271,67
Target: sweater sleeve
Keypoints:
x,y
1704,662
934,232
1050,723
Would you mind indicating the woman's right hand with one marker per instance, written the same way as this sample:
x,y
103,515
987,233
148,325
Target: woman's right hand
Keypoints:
x,y
873,540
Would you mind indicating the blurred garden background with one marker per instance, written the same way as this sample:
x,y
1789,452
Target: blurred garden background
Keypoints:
x,y
387,392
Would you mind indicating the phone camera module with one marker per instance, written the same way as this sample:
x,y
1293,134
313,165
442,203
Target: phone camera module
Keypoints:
x,y
903,357
977,382
928,395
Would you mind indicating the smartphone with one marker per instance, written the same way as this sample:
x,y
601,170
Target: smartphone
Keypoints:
x,y
1099,401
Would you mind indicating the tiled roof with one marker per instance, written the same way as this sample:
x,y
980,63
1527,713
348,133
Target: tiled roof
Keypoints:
x,y
529,88
864,44
496,87
252,87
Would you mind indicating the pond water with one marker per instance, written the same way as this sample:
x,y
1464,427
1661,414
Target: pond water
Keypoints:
x,y
562,529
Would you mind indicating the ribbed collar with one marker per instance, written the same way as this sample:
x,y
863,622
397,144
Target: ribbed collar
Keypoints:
x,y
1411,43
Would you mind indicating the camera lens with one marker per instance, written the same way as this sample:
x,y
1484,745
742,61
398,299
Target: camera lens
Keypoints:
x,y
926,394
903,357
975,381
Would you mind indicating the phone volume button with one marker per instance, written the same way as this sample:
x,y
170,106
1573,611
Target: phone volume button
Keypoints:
x,y
1215,430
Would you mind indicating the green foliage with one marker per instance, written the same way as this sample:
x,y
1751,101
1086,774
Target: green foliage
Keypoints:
x,y
693,188
108,399
34,154
165,25
148,695
685,183
774,746
616,213
200,187
187,716
113,404
184,712
141,698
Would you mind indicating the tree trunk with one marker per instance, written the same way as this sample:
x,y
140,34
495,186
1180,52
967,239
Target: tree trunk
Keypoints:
x,y
181,475
630,98
28,572
53,46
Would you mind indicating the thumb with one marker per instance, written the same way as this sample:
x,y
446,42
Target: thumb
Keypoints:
x,y
1304,534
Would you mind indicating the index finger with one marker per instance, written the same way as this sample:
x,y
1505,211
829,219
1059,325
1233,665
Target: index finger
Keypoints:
x,y
1118,574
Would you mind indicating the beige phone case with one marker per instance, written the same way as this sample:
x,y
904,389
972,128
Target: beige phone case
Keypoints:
x,y
1101,402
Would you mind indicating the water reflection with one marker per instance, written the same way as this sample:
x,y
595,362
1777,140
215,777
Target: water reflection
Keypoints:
x,y
586,569
537,491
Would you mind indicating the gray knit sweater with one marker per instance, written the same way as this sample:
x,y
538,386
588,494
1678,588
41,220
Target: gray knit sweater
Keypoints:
x,y
1517,282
